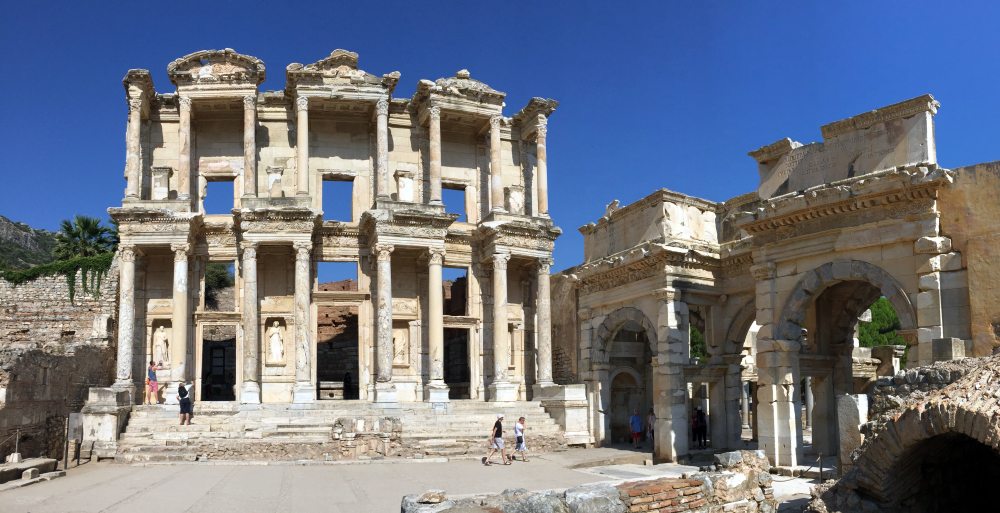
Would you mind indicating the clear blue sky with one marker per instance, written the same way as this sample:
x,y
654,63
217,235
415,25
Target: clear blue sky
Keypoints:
x,y
660,94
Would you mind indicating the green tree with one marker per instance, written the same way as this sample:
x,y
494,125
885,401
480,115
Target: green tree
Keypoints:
x,y
882,330
698,344
83,236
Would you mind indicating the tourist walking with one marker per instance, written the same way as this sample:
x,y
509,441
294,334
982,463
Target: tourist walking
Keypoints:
x,y
187,408
519,445
635,426
152,386
496,443
650,423
701,428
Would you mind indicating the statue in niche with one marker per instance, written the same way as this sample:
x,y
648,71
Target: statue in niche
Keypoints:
x,y
161,346
276,342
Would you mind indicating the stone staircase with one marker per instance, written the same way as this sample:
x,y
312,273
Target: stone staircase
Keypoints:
x,y
327,430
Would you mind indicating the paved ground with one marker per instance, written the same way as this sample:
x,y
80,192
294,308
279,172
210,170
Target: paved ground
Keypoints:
x,y
375,487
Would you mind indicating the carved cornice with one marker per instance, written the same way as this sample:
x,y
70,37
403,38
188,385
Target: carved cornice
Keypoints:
x,y
277,220
904,109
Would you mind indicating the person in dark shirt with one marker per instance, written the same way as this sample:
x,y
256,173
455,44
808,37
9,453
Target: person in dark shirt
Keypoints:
x,y
185,401
496,442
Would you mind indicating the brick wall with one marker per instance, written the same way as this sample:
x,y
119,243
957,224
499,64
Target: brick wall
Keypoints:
x,y
663,495
52,350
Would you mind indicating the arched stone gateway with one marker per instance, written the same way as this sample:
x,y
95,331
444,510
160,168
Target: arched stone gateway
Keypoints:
x,y
936,452
815,281
614,323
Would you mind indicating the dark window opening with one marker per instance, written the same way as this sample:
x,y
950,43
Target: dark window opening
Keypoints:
x,y
456,362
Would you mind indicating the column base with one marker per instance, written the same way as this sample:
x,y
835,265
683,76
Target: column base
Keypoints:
x,y
303,393
386,393
544,391
125,386
250,393
503,392
436,393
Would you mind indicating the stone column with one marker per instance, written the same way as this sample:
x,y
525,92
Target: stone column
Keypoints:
x,y
437,390
496,171
250,145
184,149
133,148
304,390
250,389
179,322
745,404
809,402
435,147
669,386
501,387
385,391
543,325
542,166
126,318
382,146
302,146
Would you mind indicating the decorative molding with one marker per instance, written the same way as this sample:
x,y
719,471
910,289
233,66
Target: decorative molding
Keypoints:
x,y
764,271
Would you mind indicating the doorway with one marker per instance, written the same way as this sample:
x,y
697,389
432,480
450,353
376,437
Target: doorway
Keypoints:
x,y
456,362
337,352
218,367
626,397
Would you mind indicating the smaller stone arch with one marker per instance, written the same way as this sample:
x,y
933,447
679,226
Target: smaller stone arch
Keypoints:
x,y
739,327
815,281
614,322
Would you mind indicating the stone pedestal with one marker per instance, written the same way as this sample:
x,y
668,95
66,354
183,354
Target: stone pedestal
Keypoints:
x,y
104,417
435,393
303,393
250,392
567,404
945,349
503,392
852,412
386,393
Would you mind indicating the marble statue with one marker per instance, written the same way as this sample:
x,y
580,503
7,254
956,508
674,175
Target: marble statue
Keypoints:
x,y
276,344
161,346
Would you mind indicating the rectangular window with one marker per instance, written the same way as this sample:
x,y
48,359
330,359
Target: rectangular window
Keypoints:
x,y
220,290
453,197
337,276
338,199
220,197
455,281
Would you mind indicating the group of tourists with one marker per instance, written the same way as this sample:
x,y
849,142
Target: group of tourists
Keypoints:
x,y
496,442
635,426
183,394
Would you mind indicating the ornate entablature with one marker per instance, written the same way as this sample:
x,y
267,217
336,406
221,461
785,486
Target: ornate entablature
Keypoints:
x,y
460,99
394,226
208,67
641,262
152,226
277,224
893,193
529,238
342,235
338,74
533,117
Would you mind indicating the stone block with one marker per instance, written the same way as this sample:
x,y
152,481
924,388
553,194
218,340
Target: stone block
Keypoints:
x,y
928,300
932,245
954,280
930,281
31,473
945,349
842,270
926,335
14,457
594,498
951,261
928,264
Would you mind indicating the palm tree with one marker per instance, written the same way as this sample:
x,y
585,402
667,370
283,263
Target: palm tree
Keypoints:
x,y
83,236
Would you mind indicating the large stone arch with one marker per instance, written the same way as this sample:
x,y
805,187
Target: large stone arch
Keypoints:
x,y
613,322
967,407
793,313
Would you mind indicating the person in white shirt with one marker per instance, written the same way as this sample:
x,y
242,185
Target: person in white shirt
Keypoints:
x,y
519,438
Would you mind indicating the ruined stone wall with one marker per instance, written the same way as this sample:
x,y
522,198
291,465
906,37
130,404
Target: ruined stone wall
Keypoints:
x,y
52,350
970,215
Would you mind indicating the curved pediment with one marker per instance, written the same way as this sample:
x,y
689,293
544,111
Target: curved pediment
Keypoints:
x,y
214,66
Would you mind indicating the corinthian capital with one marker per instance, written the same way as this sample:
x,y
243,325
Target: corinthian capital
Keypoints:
x,y
184,102
126,252
249,250
384,252
382,107
180,251
436,256
302,249
495,121
544,265
302,103
134,104
249,101
500,260
435,112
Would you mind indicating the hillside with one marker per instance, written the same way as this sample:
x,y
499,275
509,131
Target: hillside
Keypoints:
x,y
22,246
